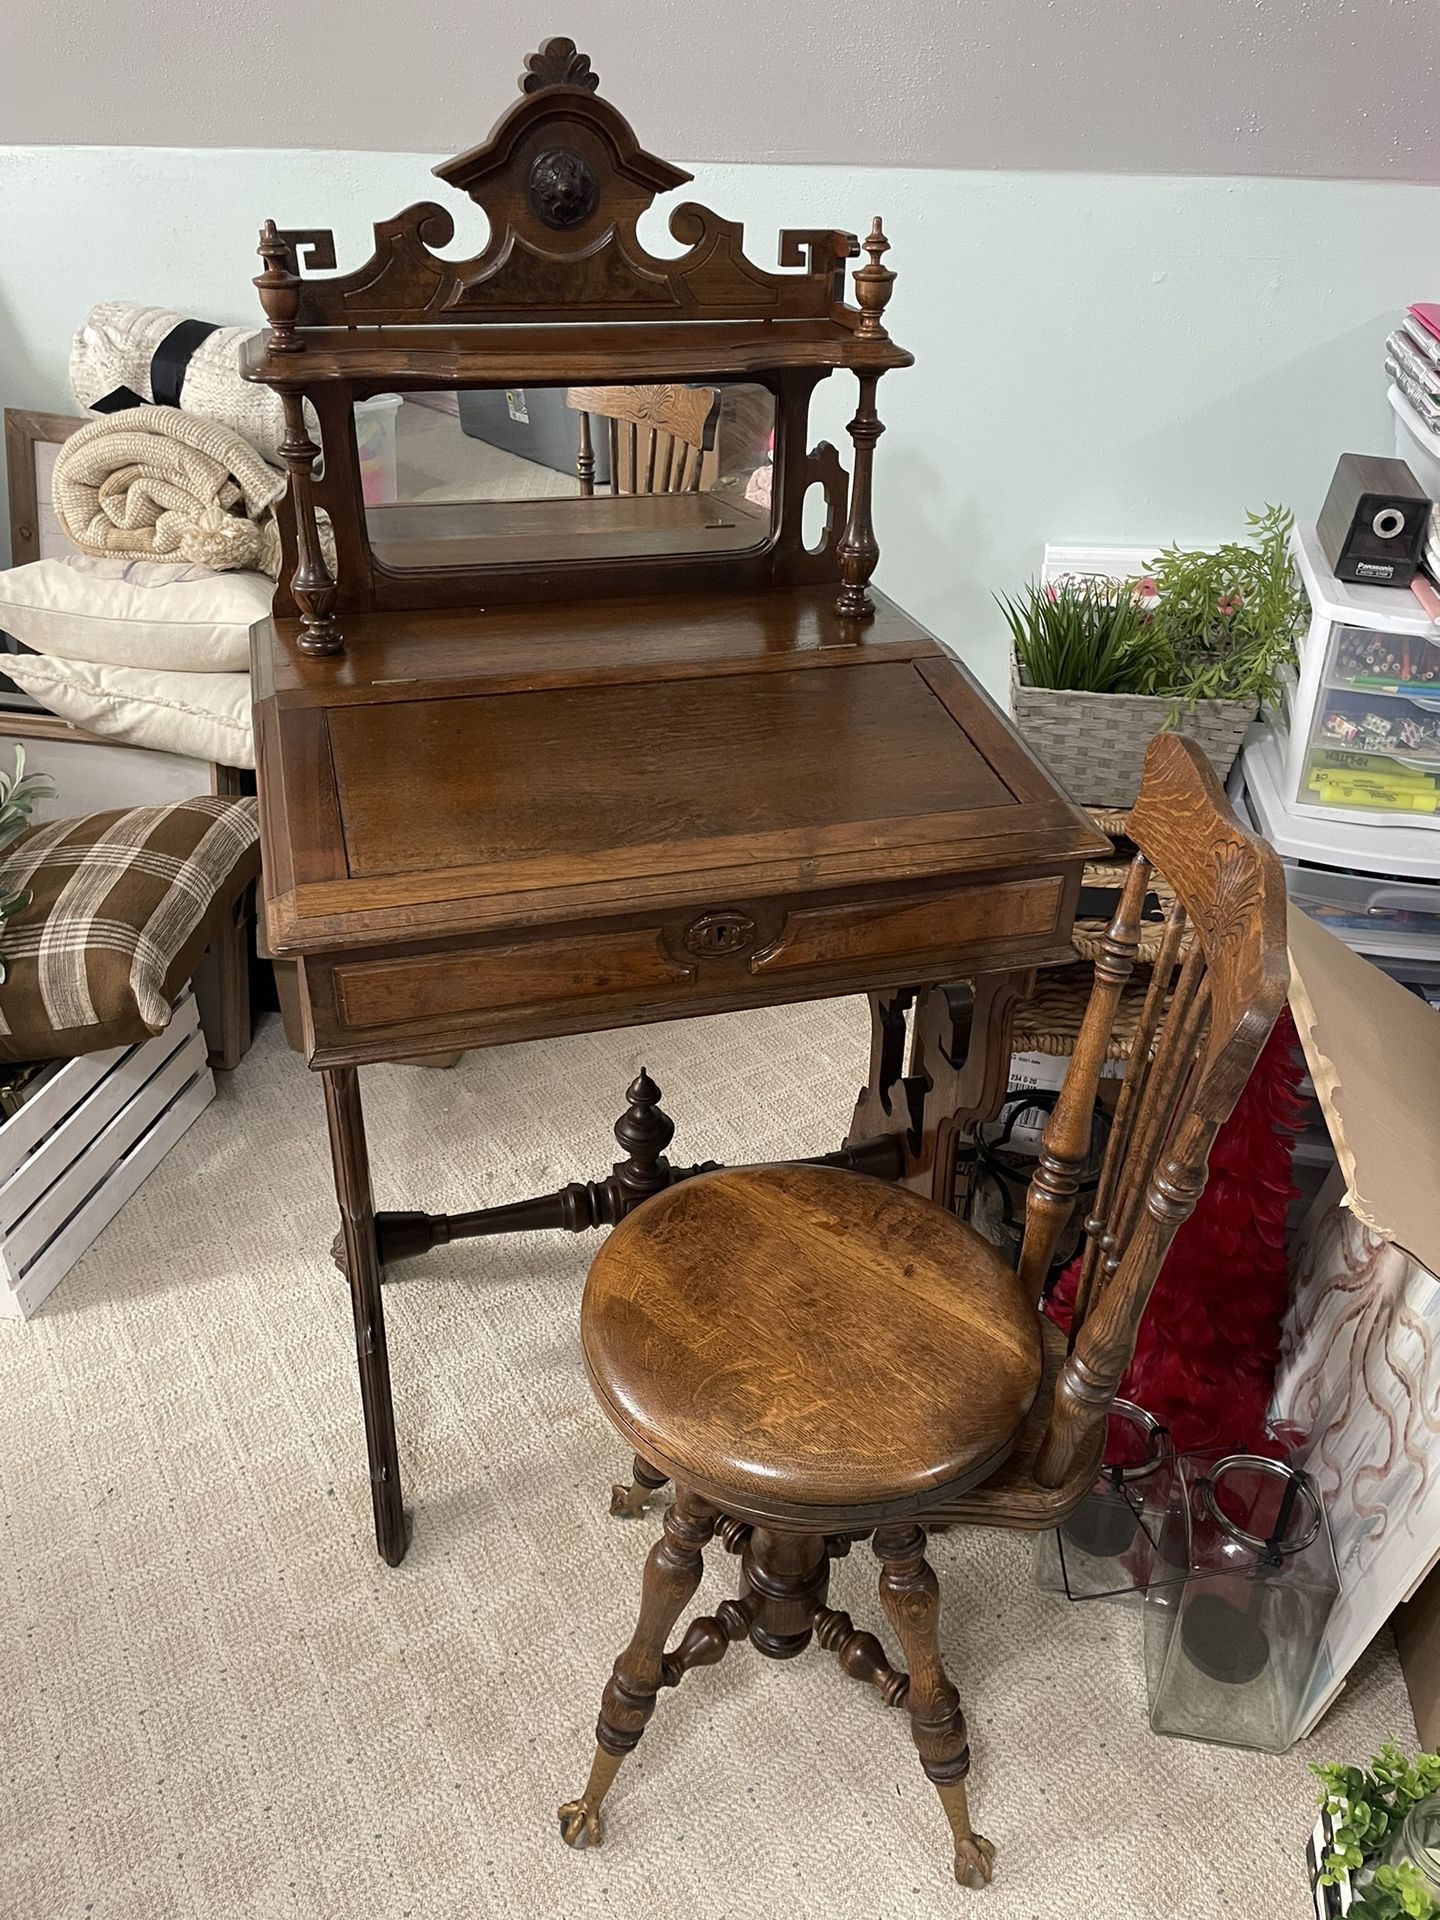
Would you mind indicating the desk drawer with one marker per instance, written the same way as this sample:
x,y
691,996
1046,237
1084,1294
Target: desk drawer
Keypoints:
x,y
567,980
944,924
537,972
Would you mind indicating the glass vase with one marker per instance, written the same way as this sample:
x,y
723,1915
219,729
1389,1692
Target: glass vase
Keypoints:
x,y
1241,1591
1103,1551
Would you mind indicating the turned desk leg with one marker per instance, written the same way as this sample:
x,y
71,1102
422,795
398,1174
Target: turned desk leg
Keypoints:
x,y
362,1269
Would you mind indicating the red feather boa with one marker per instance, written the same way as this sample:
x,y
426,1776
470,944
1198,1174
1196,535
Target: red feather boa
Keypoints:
x,y
1205,1361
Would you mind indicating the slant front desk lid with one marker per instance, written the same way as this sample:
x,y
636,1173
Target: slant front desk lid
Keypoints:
x,y
460,771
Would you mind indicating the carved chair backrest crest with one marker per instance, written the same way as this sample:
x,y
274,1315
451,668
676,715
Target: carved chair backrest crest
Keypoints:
x,y
658,438
563,293
1213,993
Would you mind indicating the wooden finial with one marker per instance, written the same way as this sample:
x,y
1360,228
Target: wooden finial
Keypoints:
x,y
279,289
644,1131
557,64
873,283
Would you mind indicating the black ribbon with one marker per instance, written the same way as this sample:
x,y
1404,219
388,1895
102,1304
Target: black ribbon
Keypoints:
x,y
168,365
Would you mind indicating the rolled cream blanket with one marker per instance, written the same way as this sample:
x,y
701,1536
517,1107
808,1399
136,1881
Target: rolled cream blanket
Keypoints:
x,y
125,356
160,484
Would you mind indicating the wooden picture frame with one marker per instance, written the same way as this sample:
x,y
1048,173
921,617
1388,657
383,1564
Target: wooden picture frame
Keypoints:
x,y
26,432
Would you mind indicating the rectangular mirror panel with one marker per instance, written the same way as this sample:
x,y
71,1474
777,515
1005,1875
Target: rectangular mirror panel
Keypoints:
x,y
526,476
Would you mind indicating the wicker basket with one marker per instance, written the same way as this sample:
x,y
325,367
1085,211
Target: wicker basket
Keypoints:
x,y
1094,743
1049,1021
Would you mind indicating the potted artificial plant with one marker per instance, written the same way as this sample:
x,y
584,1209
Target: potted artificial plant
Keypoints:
x,y
1100,666
1379,1841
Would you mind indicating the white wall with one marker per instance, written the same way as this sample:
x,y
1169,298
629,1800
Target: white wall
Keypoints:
x,y
1098,357
1329,88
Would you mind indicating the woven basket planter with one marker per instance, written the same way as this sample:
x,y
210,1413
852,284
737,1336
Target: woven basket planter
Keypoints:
x,y
1094,743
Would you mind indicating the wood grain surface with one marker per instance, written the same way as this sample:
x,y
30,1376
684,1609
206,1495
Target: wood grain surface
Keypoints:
x,y
797,1341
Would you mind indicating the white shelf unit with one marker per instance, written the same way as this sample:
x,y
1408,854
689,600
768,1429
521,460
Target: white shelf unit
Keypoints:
x,y
1317,836
1416,443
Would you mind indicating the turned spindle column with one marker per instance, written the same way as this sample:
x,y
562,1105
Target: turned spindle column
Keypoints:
x,y
1065,1143
859,551
312,582
585,458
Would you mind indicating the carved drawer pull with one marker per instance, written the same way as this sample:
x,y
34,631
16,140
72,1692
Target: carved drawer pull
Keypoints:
x,y
716,934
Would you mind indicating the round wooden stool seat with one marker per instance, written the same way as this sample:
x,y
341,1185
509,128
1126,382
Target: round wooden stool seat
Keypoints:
x,y
809,1345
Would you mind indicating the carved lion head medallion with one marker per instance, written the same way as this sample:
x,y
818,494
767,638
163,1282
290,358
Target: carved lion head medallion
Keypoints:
x,y
561,190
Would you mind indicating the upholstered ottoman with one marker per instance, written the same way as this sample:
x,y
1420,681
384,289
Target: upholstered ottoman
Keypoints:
x,y
121,906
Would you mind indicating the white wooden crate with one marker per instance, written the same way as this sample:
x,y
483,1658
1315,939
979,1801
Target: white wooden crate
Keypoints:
x,y
83,1143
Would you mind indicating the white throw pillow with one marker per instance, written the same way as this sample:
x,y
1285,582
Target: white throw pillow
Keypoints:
x,y
203,714
135,613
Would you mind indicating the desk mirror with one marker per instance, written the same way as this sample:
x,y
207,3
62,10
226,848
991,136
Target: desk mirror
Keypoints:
x,y
537,474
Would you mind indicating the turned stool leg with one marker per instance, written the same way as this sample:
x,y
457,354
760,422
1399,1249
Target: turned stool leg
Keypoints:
x,y
910,1595
629,1502
672,1573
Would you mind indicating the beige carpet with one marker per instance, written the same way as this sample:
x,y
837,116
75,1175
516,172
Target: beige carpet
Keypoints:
x,y
216,1702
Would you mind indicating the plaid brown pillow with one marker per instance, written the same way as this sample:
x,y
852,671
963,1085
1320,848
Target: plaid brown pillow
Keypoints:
x,y
122,905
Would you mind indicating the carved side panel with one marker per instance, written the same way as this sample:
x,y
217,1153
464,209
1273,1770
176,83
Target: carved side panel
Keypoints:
x,y
822,466
796,465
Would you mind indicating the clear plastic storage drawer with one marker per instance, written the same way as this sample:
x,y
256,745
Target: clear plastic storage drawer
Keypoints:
x,y
1358,725
1374,741
1391,916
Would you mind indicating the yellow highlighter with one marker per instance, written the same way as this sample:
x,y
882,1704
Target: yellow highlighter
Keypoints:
x,y
1374,794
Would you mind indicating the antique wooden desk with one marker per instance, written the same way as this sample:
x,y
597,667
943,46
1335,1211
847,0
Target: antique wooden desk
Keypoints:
x,y
513,784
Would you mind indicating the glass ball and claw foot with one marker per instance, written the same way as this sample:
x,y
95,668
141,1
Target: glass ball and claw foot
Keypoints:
x,y
631,1499
780,1609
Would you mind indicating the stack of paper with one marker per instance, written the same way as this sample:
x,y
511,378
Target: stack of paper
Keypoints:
x,y
1412,360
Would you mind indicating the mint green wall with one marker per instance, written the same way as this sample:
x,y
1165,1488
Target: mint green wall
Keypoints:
x,y
1100,357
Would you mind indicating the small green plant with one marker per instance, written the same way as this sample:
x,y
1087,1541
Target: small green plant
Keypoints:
x,y
1394,1893
1229,616
1366,1807
1203,624
18,793
1092,636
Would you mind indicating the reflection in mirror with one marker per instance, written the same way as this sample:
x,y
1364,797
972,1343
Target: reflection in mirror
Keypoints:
x,y
526,475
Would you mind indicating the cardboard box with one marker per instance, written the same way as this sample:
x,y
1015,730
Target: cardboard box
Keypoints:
x,y
1417,1634
1360,1361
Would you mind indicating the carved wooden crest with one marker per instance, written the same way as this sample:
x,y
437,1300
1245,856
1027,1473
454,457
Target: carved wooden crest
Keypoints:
x,y
563,181
557,64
